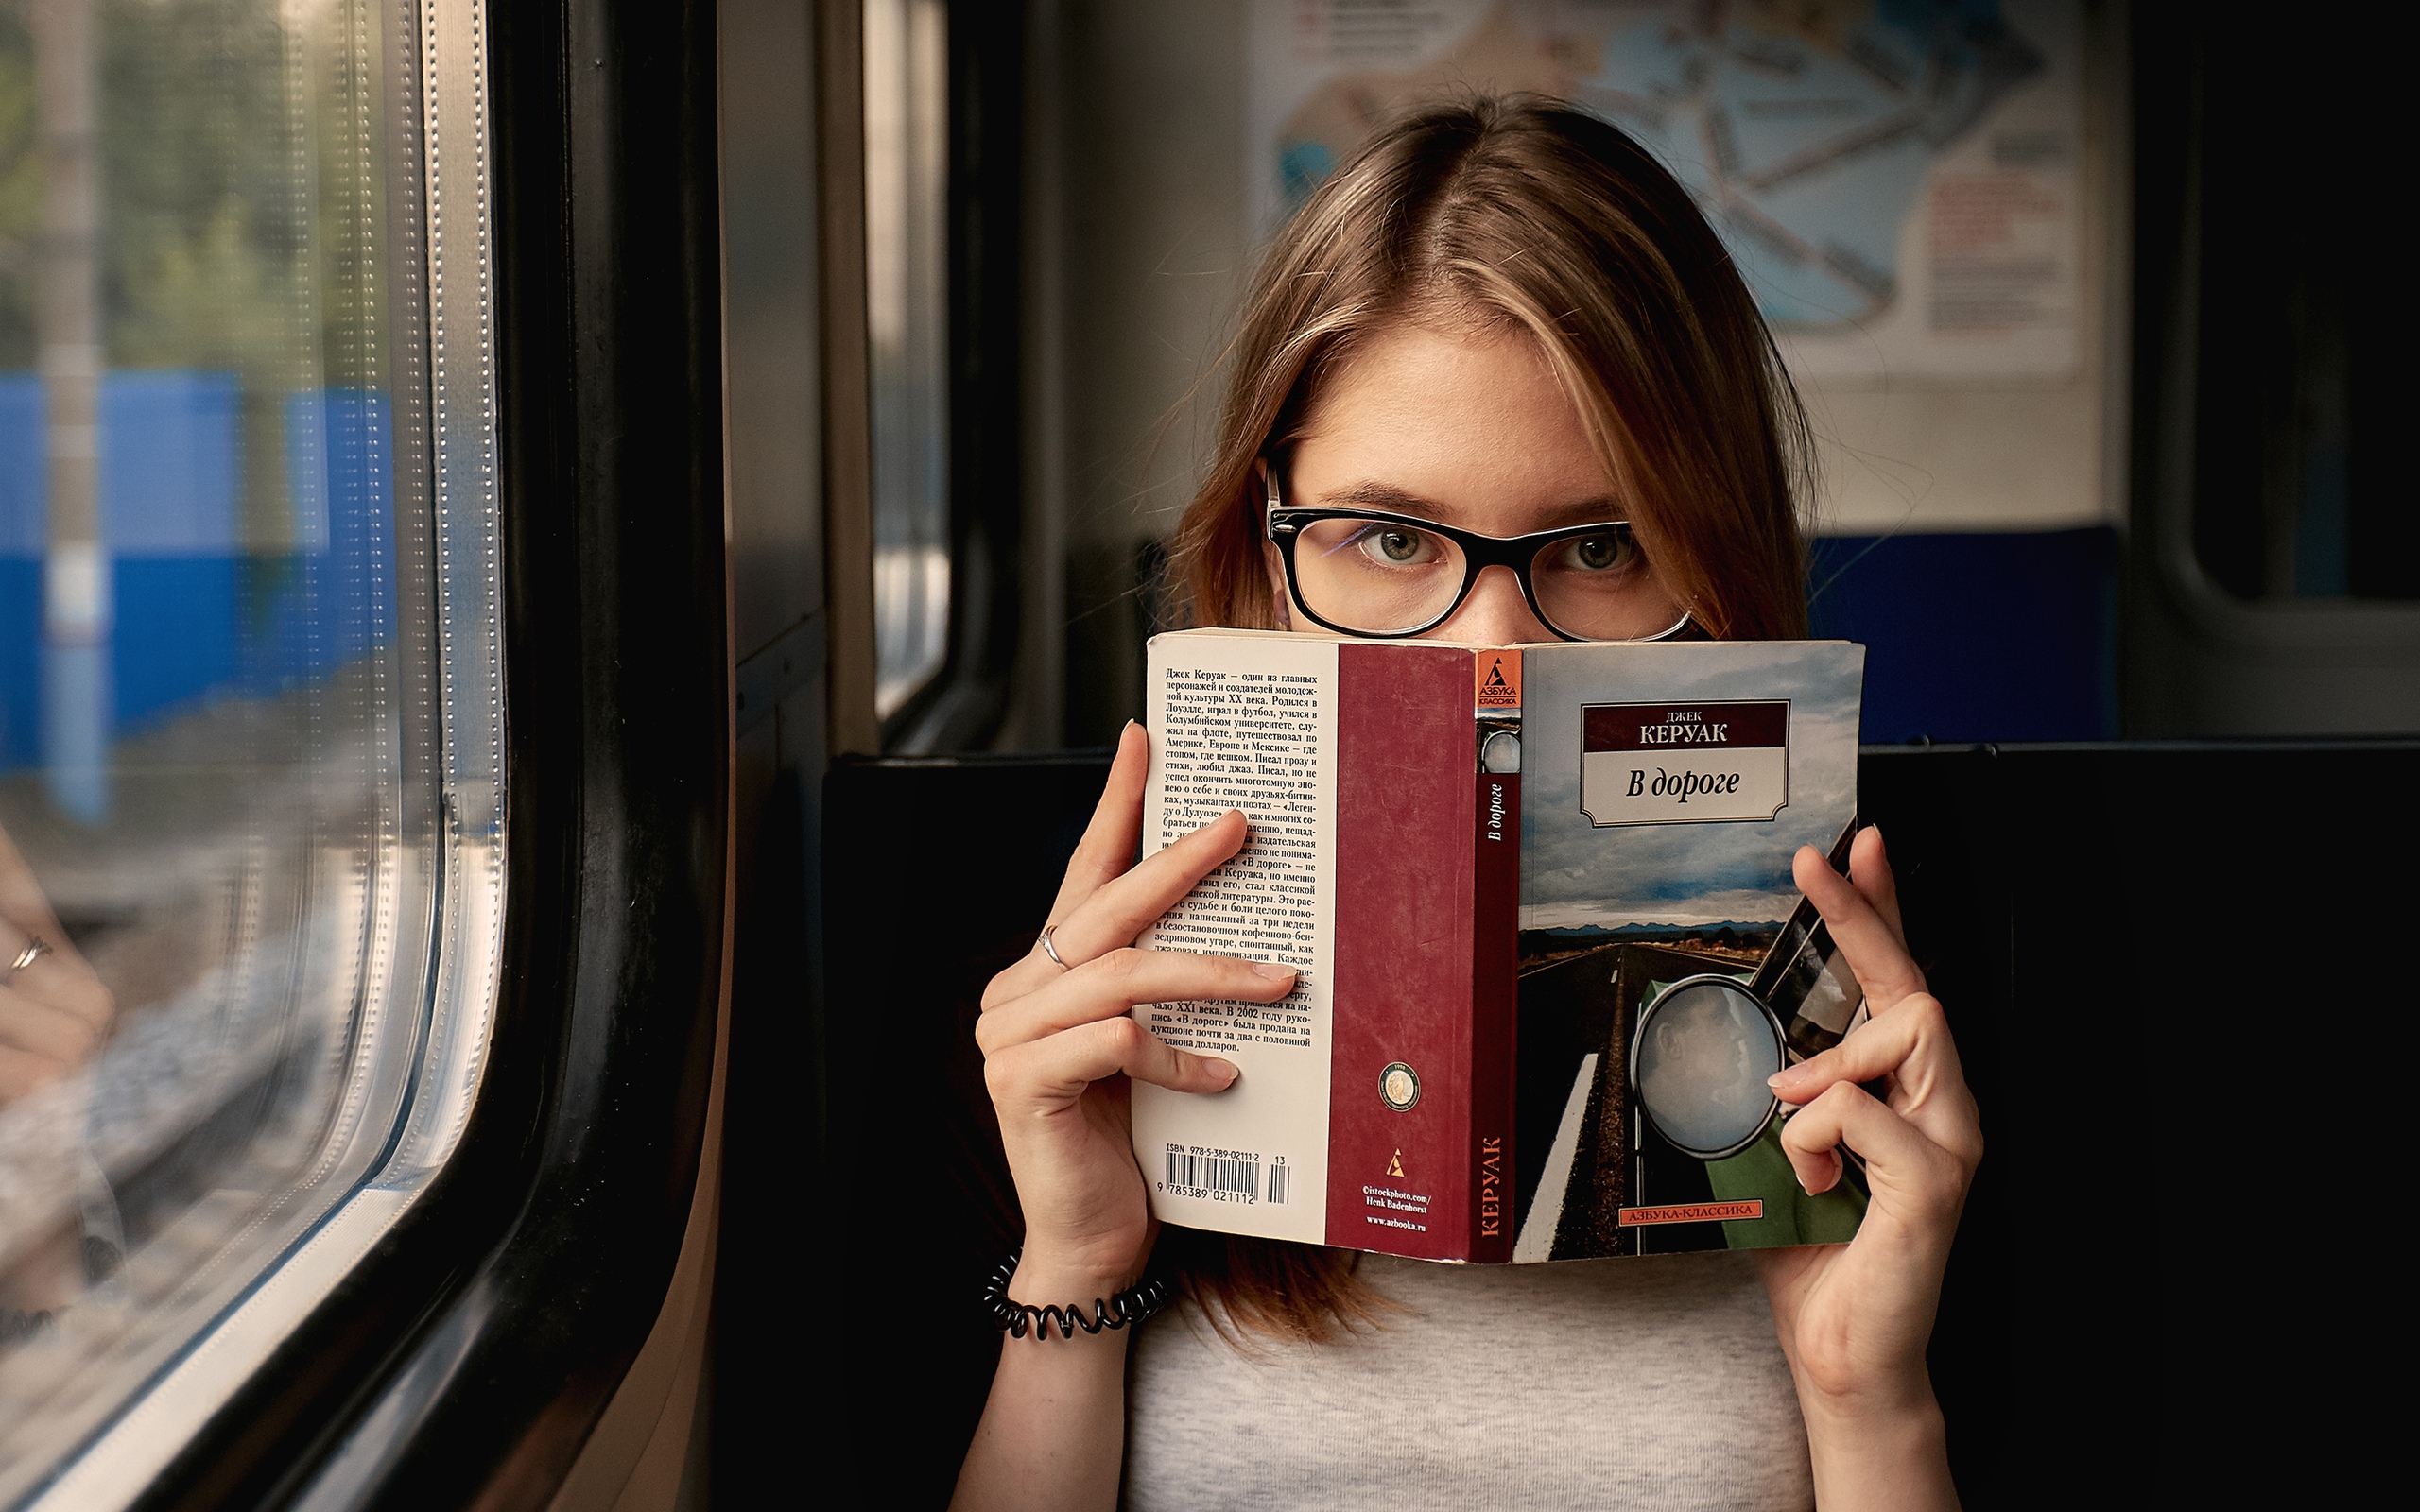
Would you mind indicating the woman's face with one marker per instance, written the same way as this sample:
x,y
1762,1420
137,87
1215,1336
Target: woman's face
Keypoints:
x,y
1465,430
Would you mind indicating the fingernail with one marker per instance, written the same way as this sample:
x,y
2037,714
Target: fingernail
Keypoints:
x,y
1787,1076
1272,970
1225,1071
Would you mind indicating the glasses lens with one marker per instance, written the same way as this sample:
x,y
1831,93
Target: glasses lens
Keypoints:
x,y
1596,587
1375,576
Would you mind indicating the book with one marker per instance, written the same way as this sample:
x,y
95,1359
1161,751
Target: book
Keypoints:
x,y
1541,903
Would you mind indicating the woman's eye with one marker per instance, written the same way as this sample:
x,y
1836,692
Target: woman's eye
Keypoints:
x,y
1599,554
1397,547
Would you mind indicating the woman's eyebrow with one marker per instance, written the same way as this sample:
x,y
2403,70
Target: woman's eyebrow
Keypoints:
x,y
1389,499
1583,512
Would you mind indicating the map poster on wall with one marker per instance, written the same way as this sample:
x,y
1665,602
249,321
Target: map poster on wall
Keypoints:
x,y
1898,179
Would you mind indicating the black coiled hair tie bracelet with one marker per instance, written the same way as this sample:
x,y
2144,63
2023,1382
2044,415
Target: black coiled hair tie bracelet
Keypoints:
x,y
1018,1319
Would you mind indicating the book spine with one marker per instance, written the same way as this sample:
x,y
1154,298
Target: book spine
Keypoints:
x,y
1400,1092
1496,923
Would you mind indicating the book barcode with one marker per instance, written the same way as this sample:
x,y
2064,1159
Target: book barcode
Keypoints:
x,y
1280,1183
1213,1173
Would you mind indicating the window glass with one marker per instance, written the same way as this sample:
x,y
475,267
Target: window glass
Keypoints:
x,y
907,76
236,825
2302,383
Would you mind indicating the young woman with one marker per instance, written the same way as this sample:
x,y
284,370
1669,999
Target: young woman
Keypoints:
x,y
1504,317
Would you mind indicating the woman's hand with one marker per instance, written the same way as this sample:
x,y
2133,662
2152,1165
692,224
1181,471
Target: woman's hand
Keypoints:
x,y
54,1012
1060,1042
1853,1318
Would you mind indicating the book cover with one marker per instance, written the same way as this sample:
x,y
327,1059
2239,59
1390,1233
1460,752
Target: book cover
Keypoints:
x,y
1541,902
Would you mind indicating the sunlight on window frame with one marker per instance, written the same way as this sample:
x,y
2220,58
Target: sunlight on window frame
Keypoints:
x,y
907,78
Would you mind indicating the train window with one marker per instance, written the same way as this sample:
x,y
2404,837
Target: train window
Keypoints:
x,y
906,187
251,888
2274,583
2304,379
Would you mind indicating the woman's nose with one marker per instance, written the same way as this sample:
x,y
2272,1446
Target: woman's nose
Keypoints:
x,y
1495,614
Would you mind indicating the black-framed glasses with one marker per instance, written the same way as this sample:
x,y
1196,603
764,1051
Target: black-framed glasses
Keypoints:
x,y
1362,572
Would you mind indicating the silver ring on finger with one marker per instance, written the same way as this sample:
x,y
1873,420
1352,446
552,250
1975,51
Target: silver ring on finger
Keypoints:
x,y
1050,950
37,947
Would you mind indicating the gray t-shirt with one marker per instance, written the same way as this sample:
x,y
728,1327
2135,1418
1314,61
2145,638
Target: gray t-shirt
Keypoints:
x,y
1652,1383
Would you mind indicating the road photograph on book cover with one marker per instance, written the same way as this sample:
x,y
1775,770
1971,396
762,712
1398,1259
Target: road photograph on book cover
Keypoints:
x,y
1662,799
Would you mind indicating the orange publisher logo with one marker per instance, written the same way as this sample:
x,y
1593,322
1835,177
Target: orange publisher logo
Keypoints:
x,y
1692,1212
1499,679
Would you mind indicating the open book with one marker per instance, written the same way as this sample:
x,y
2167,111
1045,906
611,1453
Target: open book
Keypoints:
x,y
1539,898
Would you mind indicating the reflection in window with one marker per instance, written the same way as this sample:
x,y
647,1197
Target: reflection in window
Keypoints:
x,y
907,65
220,838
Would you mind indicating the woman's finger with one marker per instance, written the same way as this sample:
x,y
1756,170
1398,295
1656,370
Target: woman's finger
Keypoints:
x,y
1870,871
1124,907
29,1024
22,902
1116,828
1049,1073
1897,1155
1115,914
1103,855
1912,1046
1116,983
1874,952
63,983
23,1071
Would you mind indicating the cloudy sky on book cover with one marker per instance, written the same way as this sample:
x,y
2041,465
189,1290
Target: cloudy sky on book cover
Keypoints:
x,y
1580,874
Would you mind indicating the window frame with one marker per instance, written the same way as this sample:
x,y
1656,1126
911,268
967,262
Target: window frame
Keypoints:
x,y
2200,660
962,705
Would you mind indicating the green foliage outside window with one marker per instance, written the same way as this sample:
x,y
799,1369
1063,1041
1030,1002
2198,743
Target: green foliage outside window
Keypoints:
x,y
241,148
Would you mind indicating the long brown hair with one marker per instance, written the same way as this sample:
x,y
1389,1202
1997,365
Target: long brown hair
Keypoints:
x,y
1518,213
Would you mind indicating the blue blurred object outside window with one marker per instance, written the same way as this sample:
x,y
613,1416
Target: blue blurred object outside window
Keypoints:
x,y
199,612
